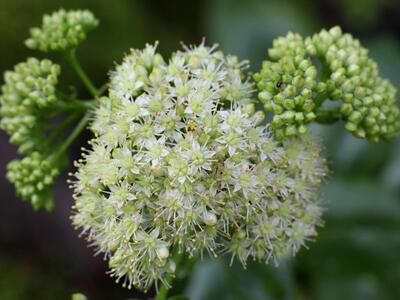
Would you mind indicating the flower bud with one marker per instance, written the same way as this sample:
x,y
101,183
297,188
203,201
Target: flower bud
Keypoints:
x,y
348,75
33,177
162,253
62,30
29,88
209,219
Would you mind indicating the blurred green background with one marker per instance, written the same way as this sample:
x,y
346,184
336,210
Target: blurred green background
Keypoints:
x,y
357,253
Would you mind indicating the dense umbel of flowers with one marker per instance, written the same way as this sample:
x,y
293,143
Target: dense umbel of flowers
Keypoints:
x,y
292,89
33,177
62,30
180,165
28,89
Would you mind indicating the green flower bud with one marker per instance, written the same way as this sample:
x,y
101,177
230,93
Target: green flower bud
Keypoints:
x,y
62,30
28,89
348,75
288,84
33,178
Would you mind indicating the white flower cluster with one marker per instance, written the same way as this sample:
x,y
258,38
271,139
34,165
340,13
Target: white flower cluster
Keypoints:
x,y
180,164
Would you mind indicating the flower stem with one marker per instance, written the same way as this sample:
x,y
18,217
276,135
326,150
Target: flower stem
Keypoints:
x,y
288,280
325,74
163,291
77,130
102,89
320,99
71,58
328,115
74,105
61,127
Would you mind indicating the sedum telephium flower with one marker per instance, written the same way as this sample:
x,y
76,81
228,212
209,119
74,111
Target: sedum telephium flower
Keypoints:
x,y
62,30
180,164
290,86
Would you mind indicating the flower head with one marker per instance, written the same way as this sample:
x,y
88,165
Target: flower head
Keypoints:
x,y
292,89
62,30
180,163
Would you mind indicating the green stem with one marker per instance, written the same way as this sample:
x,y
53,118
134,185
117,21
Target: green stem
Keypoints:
x,y
288,280
84,104
77,130
71,58
328,115
326,71
102,89
66,97
320,99
74,105
164,289
325,74
61,127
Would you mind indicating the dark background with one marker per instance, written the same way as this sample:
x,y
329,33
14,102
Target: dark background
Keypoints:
x,y
357,254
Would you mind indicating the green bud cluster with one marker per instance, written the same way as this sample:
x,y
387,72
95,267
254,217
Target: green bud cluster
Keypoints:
x,y
288,85
28,89
292,89
30,101
33,177
288,93
62,30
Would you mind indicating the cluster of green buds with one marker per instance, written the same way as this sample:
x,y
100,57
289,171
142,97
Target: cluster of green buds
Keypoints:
x,y
31,101
294,88
33,177
62,30
27,102
180,165
28,90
